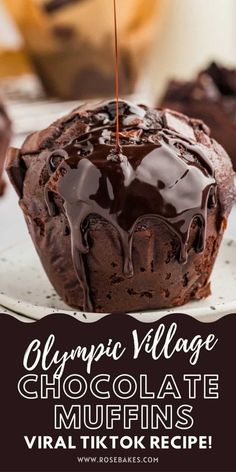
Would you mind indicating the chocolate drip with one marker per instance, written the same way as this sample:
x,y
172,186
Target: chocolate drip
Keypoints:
x,y
152,177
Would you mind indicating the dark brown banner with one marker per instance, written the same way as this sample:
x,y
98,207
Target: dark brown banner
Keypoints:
x,y
117,395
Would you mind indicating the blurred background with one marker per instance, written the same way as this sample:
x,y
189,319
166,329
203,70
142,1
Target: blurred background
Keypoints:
x,y
56,53
68,44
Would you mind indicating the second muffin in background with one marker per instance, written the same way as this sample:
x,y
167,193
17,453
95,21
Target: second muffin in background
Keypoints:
x,y
211,96
131,230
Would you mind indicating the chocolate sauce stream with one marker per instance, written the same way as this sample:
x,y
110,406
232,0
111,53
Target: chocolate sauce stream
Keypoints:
x,y
153,178
117,80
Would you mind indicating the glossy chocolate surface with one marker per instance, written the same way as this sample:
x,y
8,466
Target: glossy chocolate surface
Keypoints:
x,y
160,172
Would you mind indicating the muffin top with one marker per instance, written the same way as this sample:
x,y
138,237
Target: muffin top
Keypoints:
x,y
167,167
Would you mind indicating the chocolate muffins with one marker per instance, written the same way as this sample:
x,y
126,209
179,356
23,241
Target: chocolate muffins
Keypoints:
x,y
131,229
5,135
211,96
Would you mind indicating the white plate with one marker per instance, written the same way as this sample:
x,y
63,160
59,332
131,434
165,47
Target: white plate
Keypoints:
x,y
25,289
6,311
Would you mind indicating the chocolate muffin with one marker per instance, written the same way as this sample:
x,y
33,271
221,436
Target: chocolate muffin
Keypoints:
x,y
5,135
126,229
211,96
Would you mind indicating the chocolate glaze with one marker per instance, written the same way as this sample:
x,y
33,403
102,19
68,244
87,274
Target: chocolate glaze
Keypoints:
x,y
159,173
125,205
